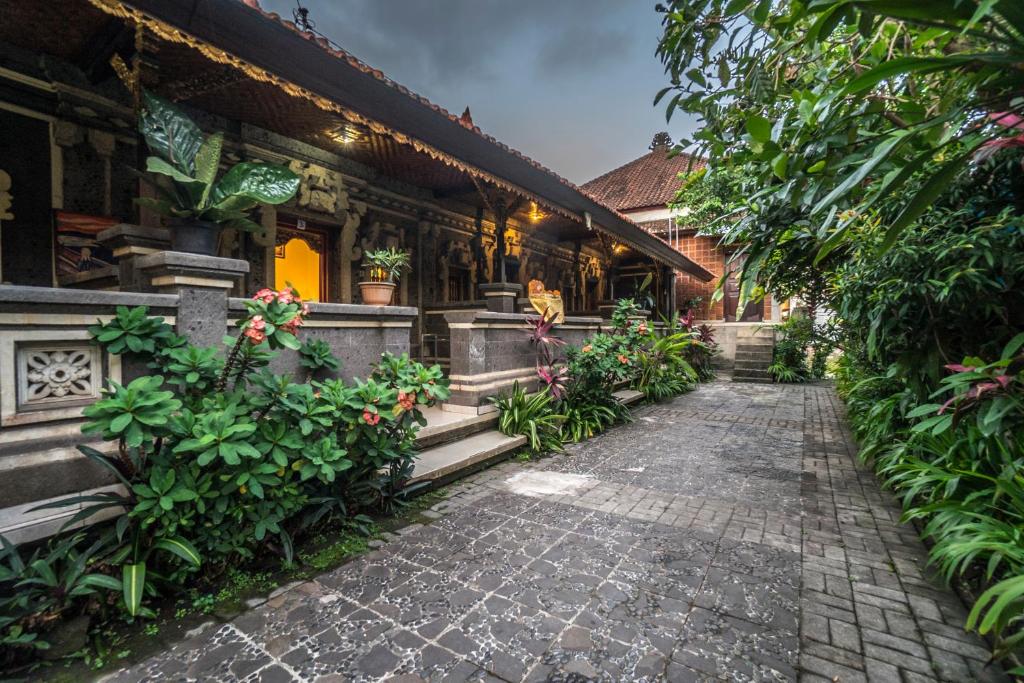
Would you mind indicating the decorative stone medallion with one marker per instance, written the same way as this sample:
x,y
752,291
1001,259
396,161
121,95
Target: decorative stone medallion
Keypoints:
x,y
57,373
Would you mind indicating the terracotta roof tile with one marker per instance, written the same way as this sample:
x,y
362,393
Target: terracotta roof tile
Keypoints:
x,y
651,180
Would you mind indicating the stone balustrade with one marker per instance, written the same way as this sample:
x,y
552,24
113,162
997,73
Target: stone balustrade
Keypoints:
x,y
357,335
490,352
49,370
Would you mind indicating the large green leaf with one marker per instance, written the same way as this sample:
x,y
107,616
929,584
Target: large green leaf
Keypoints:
x,y
208,162
267,183
133,578
169,132
180,547
926,196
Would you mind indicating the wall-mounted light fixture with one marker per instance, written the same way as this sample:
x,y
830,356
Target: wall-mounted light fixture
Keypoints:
x,y
535,214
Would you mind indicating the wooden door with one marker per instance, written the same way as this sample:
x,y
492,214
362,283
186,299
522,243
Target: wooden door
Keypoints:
x,y
752,312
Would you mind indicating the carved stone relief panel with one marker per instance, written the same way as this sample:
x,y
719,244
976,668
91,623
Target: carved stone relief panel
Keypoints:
x,y
320,188
50,374
57,373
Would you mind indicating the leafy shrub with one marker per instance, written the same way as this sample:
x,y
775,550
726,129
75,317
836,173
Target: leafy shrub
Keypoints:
x,y
532,416
221,460
789,356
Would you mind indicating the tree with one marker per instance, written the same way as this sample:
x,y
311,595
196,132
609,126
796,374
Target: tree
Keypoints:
x,y
832,109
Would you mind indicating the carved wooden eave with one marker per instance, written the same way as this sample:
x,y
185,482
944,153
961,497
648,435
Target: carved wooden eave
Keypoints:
x,y
293,64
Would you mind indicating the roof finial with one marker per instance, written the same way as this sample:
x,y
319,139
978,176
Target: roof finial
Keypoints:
x,y
466,119
661,141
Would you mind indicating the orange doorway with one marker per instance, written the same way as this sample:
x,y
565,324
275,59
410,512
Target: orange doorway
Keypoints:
x,y
300,260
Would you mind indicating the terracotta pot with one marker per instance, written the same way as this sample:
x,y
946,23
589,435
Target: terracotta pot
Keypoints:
x,y
377,293
194,237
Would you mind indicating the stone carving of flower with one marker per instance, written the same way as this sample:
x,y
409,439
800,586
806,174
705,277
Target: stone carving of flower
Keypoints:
x,y
59,373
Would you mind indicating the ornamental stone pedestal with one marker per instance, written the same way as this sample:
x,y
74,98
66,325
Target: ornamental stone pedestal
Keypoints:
x,y
501,296
202,284
128,243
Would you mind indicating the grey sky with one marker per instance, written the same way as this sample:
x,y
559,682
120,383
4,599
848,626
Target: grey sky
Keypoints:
x,y
567,82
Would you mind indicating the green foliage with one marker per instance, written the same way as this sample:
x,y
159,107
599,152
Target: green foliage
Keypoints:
x,y
186,166
705,201
133,330
829,109
789,355
531,415
316,356
215,474
387,264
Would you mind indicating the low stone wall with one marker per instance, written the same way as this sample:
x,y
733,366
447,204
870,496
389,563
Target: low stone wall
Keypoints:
x,y
490,352
357,335
50,370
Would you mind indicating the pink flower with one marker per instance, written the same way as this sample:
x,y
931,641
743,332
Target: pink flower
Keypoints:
x,y
265,295
285,296
257,322
370,418
305,308
1008,120
255,336
623,359
292,326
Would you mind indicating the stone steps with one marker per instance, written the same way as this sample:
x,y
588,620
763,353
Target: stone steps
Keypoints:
x,y
458,458
455,427
748,354
627,396
753,356
751,375
460,447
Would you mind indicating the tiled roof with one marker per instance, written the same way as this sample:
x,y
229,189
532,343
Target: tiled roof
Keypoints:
x,y
650,181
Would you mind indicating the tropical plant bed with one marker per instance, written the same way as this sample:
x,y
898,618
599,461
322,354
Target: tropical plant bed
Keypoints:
x,y
222,464
120,644
577,399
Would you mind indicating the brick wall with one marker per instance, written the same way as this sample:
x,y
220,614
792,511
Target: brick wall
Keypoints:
x,y
703,251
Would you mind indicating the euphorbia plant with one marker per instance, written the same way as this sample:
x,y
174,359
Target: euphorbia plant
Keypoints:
x,y
212,476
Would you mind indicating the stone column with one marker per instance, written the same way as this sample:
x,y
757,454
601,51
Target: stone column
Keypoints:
x,y
202,284
104,143
128,243
349,250
501,296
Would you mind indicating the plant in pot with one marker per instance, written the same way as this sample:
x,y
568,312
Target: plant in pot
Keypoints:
x,y
183,171
382,270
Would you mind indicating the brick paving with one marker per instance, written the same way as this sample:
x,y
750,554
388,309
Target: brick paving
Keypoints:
x,y
728,535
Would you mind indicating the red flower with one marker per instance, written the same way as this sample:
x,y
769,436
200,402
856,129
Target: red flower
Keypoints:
x,y
623,359
407,400
370,418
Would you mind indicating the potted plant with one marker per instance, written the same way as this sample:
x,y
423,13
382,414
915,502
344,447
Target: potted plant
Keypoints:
x,y
184,169
382,270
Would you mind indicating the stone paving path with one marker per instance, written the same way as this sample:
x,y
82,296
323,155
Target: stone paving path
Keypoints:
x,y
728,535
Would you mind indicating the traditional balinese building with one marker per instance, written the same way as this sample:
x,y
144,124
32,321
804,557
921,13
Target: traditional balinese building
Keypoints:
x,y
380,166
642,190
